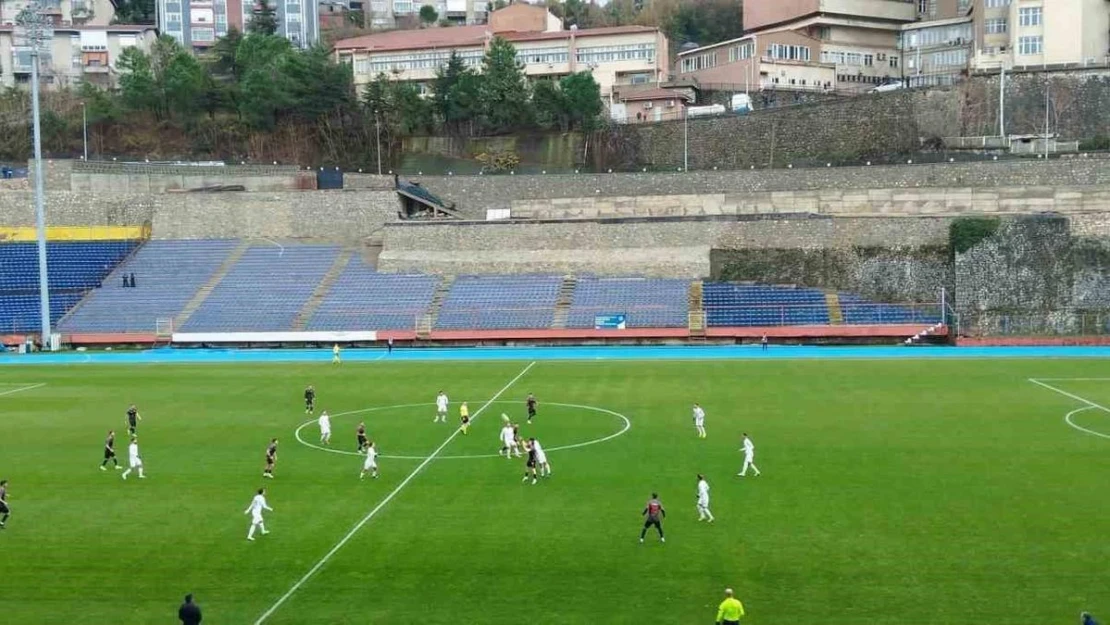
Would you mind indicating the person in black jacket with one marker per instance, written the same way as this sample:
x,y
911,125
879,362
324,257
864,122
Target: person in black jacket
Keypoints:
x,y
189,612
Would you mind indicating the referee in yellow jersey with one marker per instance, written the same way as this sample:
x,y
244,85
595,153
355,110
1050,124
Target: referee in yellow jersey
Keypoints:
x,y
730,610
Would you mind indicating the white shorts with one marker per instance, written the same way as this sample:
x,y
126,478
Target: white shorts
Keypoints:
x,y
136,463
698,423
749,458
508,442
325,432
256,519
541,458
369,464
441,410
703,503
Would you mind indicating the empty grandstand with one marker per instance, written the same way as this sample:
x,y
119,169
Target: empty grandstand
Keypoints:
x,y
500,302
73,268
644,302
363,298
729,304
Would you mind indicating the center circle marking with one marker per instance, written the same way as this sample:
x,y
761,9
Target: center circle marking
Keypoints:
x,y
622,431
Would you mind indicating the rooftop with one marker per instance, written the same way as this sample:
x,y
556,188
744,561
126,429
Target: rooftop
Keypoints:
x,y
468,36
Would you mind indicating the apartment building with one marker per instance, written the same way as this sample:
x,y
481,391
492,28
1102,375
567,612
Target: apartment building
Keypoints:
x,y
937,52
74,54
197,24
62,12
1039,33
775,60
624,55
387,14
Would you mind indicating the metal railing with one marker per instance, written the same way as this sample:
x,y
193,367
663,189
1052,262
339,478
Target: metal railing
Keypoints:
x,y
1063,322
820,314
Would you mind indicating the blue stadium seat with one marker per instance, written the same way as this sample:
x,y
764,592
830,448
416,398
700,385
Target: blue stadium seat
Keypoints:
x,y
645,302
362,299
500,303
728,304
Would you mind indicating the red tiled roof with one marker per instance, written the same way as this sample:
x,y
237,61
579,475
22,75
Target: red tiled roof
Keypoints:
x,y
654,94
466,36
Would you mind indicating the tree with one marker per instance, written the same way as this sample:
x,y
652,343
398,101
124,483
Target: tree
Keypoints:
x,y
705,22
398,106
582,98
455,95
428,15
263,20
134,12
136,82
503,90
549,105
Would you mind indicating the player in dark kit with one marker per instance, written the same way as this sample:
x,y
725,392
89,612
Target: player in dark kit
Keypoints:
x,y
110,451
530,465
309,400
361,433
133,419
4,510
531,403
655,515
271,458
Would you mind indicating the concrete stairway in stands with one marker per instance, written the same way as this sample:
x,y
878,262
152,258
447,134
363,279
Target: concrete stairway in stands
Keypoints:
x,y
206,290
563,302
425,327
697,310
300,322
836,315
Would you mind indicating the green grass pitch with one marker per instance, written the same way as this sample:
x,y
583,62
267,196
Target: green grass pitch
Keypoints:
x,y
919,492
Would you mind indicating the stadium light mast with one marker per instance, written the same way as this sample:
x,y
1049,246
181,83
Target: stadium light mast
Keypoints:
x,y
34,29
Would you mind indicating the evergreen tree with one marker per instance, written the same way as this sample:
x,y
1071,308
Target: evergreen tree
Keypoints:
x,y
503,90
263,20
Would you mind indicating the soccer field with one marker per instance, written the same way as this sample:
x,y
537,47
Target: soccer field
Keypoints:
x,y
924,492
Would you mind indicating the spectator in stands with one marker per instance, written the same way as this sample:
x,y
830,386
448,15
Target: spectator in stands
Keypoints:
x,y
189,612
132,280
126,283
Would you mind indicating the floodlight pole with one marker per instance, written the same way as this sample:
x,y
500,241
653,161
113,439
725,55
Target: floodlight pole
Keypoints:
x,y
34,23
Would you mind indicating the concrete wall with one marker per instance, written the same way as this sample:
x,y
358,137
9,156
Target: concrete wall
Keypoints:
x,y
332,215
932,201
476,194
673,247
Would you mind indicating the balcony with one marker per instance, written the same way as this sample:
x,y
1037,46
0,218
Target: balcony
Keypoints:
x,y
96,69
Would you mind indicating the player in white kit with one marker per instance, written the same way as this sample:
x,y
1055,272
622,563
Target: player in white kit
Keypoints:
x,y
541,459
370,465
699,420
703,500
258,504
441,407
135,462
508,441
325,428
749,457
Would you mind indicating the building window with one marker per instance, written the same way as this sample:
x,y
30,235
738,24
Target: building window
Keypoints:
x,y
741,52
362,66
544,56
378,6
785,52
868,60
996,4
950,58
421,60
701,61
1030,45
402,8
294,9
1029,16
995,26
203,35
639,79
606,54
894,61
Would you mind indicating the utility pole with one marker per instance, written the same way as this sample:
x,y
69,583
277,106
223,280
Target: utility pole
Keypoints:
x,y
1002,104
378,129
1046,103
34,29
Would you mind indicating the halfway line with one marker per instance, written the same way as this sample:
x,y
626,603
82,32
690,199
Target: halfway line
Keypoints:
x,y
366,519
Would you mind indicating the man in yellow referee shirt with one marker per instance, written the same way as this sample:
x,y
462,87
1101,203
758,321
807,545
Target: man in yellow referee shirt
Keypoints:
x,y
730,610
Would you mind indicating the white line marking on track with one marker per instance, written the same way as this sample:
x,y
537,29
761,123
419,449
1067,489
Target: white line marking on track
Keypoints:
x,y
23,388
1090,404
627,426
366,519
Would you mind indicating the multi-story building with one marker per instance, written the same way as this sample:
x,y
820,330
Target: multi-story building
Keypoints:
x,y
1038,33
74,54
937,51
62,12
624,55
387,14
197,24
774,60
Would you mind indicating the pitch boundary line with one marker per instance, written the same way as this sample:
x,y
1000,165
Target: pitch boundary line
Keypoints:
x,y
603,439
370,515
1090,404
22,388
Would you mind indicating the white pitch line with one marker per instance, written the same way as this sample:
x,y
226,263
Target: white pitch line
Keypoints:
x,y
366,519
23,388
1067,418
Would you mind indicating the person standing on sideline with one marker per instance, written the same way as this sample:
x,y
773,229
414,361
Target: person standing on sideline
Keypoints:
x,y
703,499
5,511
189,612
655,514
389,345
335,360
325,428
699,420
730,610
258,504
763,343
749,457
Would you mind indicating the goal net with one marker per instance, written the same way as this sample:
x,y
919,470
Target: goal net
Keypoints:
x,y
163,331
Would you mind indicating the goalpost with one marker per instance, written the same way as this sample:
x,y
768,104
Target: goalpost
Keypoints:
x,y
163,331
